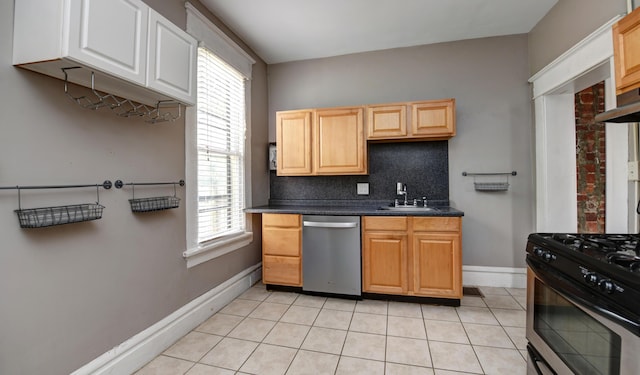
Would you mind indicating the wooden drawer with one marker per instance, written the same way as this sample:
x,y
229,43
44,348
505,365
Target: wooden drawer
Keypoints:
x,y
281,220
281,270
281,241
436,224
386,223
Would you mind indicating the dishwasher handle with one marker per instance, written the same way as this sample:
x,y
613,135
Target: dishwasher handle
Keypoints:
x,y
333,225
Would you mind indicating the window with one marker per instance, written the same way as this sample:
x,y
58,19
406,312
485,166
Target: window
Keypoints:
x,y
217,149
220,141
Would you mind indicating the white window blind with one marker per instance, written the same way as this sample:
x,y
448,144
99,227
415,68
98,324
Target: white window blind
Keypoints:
x,y
220,143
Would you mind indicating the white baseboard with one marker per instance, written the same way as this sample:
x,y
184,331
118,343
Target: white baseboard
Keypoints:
x,y
146,345
505,277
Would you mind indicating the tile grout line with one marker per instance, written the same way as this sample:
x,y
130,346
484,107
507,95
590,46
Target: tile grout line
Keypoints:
x,y
323,307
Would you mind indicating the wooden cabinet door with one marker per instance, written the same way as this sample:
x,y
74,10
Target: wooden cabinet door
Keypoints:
x,y
626,52
387,121
293,143
384,262
110,35
437,265
339,143
435,118
172,58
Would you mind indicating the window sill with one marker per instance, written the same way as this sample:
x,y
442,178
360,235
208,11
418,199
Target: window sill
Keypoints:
x,y
216,249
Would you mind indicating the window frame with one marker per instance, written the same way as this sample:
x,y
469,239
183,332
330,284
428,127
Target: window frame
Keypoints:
x,y
213,39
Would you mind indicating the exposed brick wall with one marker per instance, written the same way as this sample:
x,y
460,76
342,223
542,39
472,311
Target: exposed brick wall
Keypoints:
x,y
590,160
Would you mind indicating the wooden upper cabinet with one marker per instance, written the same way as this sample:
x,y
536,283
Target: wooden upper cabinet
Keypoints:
x,y
626,52
385,121
321,142
293,134
432,119
339,143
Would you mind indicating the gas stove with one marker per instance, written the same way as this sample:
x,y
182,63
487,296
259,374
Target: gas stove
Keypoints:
x,y
608,265
622,250
583,303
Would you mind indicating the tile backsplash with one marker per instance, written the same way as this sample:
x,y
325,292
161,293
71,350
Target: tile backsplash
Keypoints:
x,y
423,166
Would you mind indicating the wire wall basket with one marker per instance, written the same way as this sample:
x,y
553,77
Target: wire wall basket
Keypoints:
x,y
59,215
491,186
488,183
152,203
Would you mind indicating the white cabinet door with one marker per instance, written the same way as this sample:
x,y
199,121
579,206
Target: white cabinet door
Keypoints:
x,y
172,57
111,36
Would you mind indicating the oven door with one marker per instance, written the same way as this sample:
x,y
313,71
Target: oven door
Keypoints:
x,y
570,333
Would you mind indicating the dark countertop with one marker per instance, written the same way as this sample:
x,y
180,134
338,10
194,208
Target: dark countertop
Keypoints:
x,y
348,208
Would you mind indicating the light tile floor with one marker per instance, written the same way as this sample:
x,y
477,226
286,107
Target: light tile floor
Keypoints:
x,y
264,332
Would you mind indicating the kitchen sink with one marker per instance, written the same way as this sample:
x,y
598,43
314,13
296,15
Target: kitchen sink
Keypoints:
x,y
409,208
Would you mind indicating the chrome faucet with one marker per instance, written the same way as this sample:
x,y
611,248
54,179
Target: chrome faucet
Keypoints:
x,y
401,189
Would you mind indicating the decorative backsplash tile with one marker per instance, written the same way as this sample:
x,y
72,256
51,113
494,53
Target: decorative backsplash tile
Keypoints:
x,y
423,166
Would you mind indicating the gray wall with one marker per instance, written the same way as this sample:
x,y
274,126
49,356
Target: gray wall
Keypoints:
x,y
70,293
567,23
488,79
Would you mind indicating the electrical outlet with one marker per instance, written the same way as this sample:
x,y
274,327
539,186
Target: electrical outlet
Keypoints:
x,y
363,188
633,171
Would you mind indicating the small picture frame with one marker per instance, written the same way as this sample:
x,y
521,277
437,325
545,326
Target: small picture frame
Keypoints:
x,y
273,157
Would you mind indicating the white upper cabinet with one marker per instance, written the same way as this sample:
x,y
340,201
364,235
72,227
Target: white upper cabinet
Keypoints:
x,y
172,59
135,53
110,35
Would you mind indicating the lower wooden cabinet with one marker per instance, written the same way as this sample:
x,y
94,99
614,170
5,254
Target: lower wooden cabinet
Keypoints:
x,y
416,256
384,262
282,249
437,265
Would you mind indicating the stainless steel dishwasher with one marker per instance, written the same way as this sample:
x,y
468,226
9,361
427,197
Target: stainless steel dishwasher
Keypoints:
x,y
331,254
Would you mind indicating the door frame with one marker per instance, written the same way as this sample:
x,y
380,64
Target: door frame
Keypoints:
x,y
588,62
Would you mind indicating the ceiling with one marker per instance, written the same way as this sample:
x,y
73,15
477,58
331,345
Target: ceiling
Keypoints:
x,y
289,30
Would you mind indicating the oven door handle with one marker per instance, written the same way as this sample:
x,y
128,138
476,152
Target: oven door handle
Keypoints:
x,y
572,291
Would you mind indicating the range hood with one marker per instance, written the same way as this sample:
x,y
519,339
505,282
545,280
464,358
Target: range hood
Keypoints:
x,y
628,109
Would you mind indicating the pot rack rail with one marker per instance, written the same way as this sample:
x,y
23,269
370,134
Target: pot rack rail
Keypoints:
x,y
124,107
486,183
75,213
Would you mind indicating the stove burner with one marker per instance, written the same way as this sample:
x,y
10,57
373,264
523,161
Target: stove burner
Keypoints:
x,y
626,260
564,238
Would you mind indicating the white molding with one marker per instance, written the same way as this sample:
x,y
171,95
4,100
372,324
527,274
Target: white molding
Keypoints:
x,y
217,249
505,277
225,48
201,28
134,353
589,61
595,49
